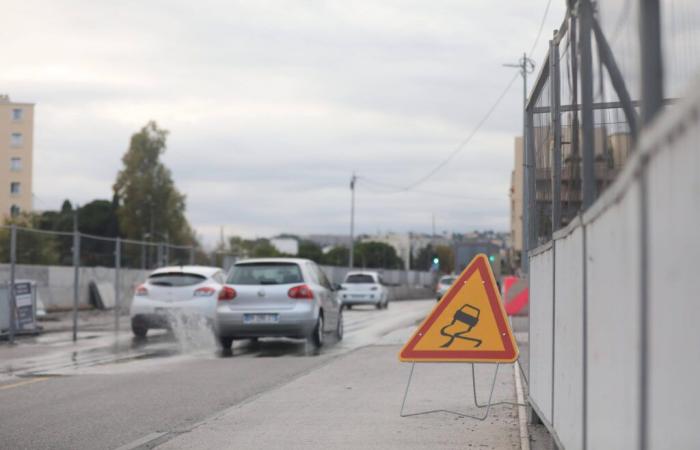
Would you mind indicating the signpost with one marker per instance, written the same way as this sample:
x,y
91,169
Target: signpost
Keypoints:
x,y
468,325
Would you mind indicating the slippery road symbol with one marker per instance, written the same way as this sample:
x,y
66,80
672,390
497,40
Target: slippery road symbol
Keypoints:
x,y
464,320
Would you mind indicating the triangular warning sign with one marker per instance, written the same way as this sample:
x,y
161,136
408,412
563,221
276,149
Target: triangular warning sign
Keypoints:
x,y
468,325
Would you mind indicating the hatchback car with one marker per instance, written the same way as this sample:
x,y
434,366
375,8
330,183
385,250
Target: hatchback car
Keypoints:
x,y
277,297
364,288
171,291
444,285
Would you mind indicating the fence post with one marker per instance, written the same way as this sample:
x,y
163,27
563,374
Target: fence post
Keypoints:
x,y
555,93
11,291
117,282
159,255
585,14
192,255
76,273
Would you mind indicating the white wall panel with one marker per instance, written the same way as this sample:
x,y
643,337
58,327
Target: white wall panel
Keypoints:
x,y
613,242
568,339
674,303
541,332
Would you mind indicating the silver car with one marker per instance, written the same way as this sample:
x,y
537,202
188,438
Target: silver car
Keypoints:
x,y
277,297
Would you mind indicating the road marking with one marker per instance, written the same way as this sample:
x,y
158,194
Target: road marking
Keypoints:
x,y
23,383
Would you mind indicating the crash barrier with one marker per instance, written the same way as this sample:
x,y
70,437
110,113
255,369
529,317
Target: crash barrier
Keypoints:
x,y
516,295
614,352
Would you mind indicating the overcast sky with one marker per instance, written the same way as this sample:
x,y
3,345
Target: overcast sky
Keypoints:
x,y
272,105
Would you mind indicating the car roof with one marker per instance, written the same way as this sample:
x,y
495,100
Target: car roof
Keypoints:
x,y
364,272
273,260
206,271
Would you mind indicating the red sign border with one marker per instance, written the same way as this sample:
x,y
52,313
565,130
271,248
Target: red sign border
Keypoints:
x,y
509,352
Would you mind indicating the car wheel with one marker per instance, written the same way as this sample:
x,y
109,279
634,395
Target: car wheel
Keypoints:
x,y
226,342
317,335
348,306
139,330
339,328
386,304
380,305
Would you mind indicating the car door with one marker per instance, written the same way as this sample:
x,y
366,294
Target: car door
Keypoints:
x,y
331,303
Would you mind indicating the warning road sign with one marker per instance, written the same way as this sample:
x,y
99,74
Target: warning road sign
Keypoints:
x,y
468,325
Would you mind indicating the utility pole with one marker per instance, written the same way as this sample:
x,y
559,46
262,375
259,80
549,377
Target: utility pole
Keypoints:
x,y
352,221
526,65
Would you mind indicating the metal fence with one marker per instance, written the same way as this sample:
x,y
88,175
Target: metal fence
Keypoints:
x,y
584,112
75,271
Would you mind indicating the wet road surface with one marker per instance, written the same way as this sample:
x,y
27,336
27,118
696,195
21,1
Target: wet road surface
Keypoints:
x,y
105,392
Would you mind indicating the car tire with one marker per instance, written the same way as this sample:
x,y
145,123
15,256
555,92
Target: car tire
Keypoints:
x,y
316,337
348,306
139,330
380,305
339,329
226,343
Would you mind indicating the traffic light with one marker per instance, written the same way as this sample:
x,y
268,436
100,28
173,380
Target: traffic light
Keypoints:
x,y
436,264
492,258
436,260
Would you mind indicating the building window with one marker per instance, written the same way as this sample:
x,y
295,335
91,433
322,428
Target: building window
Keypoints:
x,y
17,114
16,139
14,211
16,164
14,188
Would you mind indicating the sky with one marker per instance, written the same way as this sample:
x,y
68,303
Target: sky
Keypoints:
x,y
272,105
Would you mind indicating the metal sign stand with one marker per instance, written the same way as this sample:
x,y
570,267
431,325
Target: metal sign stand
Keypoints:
x,y
476,401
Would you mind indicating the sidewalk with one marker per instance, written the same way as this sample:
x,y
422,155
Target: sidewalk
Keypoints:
x,y
354,402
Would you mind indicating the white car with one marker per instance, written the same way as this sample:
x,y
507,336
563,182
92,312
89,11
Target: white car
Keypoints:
x,y
171,292
364,288
444,285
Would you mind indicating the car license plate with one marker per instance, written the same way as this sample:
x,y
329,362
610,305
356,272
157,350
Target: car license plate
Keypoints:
x,y
165,311
357,296
260,318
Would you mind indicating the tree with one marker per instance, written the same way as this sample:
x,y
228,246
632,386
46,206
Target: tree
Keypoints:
x,y
32,247
337,256
310,250
149,203
445,254
377,255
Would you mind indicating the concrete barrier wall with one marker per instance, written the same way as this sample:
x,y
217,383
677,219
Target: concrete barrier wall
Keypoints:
x,y
613,312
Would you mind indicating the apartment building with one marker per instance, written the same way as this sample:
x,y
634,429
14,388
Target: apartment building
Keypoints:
x,y
16,156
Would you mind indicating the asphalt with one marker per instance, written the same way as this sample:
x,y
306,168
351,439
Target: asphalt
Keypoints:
x,y
176,391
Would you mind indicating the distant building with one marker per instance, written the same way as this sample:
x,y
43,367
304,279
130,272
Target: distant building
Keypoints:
x,y
329,240
466,251
16,156
288,246
408,245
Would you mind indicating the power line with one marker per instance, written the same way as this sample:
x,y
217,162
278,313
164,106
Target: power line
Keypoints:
x,y
398,189
539,32
462,144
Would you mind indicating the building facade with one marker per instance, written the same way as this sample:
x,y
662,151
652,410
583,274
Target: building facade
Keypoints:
x,y
16,156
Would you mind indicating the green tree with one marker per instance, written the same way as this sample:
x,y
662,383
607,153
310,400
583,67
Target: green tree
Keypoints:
x,y
337,256
377,255
149,203
32,247
310,250
424,259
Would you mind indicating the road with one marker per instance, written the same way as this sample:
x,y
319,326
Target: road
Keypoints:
x,y
107,392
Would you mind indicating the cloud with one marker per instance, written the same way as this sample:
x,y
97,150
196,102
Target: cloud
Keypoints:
x,y
273,104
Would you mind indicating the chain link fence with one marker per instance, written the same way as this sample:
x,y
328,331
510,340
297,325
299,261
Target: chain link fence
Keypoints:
x,y
74,271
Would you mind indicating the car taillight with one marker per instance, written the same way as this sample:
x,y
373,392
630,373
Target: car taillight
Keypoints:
x,y
204,292
301,292
227,293
141,290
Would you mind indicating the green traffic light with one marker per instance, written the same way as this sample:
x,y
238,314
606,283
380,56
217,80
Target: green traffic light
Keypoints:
x,y
436,260
492,258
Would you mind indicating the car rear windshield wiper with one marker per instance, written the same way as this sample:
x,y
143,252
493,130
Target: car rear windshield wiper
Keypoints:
x,y
162,283
268,282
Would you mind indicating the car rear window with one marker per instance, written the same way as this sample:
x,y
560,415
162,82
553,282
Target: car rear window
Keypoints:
x,y
177,279
360,278
448,280
265,273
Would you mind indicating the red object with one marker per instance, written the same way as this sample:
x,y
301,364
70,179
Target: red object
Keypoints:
x,y
515,301
205,291
141,290
301,292
227,293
